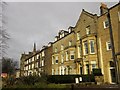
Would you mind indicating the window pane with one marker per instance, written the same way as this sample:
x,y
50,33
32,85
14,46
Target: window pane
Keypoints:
x,y
70,43
92,50
66,56
119,15
78,36
108,45
88,30
62,47
85,48
72,55
106,24
56,59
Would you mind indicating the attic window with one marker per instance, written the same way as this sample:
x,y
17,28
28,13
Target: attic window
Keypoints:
x,y
69,30
55,38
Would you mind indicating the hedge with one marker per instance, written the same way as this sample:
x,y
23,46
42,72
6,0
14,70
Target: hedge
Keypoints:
x,y
69,78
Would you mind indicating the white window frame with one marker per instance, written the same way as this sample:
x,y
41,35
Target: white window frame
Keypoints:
x,y
62,47
69,30
53,58
70,43
29,67
86,68
88,30
63,34
93,63
32,65
62,70
66,53
32,58
78,36
107,45
42,63
53,71
119,15
60,36
43,53
62,58
26,67
27,61
104,24
79,51
37,56
55,38
93,46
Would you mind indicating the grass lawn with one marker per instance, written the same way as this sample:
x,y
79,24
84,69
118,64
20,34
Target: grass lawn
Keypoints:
x,y
39,85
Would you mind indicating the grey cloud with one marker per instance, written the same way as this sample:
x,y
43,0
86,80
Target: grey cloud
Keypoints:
x,y
39,22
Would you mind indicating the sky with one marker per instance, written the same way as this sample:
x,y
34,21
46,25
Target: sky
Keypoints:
x,y
38,22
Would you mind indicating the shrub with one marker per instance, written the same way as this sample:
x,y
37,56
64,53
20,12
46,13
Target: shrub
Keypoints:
x,y
30,80
97,72
69,78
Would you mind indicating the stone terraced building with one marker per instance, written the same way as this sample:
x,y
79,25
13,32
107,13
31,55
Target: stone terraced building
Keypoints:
x,y
94,42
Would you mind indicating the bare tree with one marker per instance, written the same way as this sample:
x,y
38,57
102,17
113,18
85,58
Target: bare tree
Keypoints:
x,y
3,34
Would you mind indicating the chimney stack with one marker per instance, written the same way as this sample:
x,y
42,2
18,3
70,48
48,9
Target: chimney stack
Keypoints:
x,y
103,9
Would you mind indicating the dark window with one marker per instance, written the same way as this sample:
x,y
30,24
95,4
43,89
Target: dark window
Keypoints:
x,y
56,61
72,56
85,47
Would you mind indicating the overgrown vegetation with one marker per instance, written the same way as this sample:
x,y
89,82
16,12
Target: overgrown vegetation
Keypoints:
x,y
31,82
9,66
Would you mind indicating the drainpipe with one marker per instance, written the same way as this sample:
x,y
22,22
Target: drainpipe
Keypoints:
x,y
112,46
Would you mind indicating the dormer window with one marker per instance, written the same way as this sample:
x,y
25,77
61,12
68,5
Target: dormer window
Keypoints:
x,y
56,38
88,30
60,36
63,34
49,44
69,30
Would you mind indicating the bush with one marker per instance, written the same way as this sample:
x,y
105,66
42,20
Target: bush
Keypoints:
x,y
30,80
97,72
69,78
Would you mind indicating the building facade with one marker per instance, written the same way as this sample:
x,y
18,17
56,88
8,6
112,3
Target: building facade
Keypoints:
x,y
36,62
92,44
64,53
86,43
104,40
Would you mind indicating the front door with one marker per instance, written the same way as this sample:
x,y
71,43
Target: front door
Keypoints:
x,y
113,78
112,72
